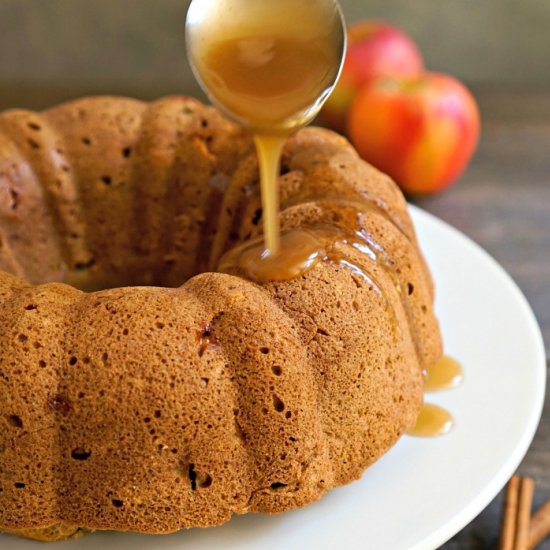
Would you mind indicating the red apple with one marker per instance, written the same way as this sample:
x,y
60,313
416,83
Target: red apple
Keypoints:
x,y
421,131
374,49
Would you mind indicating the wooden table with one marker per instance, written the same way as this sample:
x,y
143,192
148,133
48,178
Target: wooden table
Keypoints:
x,y
502,202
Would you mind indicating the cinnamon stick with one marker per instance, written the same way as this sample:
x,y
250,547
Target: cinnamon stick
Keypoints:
x,y
540,526
524,513
509,516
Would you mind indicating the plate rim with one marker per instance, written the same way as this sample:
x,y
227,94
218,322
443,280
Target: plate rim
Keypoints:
x,y
446,531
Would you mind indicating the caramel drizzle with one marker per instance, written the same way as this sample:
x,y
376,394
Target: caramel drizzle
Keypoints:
x,y
303,248
434,420
446,374
358,271
336,257
311,245
362,202
269,150
362,241
359,238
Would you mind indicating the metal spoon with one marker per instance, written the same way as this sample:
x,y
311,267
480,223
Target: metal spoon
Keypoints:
x,y
257,30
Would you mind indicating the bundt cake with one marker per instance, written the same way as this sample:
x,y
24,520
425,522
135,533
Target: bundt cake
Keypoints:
x,y
141,389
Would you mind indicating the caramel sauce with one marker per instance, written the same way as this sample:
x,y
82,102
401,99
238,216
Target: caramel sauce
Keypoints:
x,y
445,374
270,65
302,250
432,421
269,153
362,204
269,79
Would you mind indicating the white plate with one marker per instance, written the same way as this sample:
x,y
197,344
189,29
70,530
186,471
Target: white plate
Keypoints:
x,y
424,490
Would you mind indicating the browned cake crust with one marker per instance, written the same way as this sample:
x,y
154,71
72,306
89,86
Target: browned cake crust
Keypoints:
x,y
157,408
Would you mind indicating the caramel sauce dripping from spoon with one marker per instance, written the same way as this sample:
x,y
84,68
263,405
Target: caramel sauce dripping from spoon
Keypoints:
x,y
434,420
269,65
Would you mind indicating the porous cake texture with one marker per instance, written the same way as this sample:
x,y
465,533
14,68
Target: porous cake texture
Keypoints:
x,y
195,395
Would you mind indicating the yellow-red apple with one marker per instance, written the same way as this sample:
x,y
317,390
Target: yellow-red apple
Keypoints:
x,y
375,49
421,131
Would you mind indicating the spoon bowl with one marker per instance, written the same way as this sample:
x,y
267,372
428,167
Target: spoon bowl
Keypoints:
x,y
268,64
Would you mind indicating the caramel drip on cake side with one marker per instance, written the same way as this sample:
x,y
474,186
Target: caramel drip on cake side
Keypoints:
x,y
302,251
355,234
350,232
363,203
366,243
